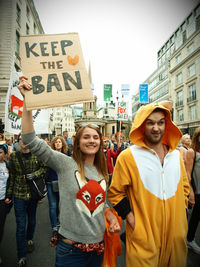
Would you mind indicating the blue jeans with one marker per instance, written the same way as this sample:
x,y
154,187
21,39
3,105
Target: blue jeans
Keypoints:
x,y
22,209
67,256
3,214
53,198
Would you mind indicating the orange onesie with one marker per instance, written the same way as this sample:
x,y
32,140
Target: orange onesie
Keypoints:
x,y
157,195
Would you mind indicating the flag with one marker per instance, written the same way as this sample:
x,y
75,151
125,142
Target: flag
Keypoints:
x,y
107,92
125,91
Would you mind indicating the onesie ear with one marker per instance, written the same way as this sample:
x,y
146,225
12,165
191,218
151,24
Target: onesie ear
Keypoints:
x,y
103,184
79,180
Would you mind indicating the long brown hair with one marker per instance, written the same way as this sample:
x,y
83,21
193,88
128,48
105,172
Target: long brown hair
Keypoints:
x,y
64,144
195,140
99,160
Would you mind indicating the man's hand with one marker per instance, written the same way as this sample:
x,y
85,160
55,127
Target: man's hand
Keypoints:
x,y
7,201
191,199
114,224
130,218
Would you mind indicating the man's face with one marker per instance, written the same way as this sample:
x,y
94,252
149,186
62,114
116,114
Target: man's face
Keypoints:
x,y
113,139
154,128
21,143
187,141
65,135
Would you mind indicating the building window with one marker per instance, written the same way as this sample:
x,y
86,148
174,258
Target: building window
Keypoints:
x,y
159,62
178,58
172,49
28,12
163,58
180,115
184,37
27,29
18,14
168,53
191,70
34,29
193,112
192,92
190,48
179,78
179,98
17,42
172,39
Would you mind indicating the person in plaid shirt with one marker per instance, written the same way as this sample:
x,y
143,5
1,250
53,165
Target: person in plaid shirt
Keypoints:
x,y
24,205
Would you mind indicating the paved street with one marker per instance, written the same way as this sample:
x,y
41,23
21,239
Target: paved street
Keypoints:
x,y
43,256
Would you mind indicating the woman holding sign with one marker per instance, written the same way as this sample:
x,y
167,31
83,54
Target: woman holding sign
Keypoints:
x,y
82,188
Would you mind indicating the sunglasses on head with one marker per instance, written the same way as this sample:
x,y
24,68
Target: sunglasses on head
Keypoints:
x,y
88,124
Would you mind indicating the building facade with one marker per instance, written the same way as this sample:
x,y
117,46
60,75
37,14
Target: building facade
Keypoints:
x,y
177,77
17,17
63,120
184,73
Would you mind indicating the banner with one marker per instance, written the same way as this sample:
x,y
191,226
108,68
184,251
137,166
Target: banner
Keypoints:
x,y
14,108
107,92
144,93
125,91
122,111
55,67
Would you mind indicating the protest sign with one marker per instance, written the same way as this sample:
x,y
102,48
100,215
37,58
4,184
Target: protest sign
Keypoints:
x,y
122,111
55,67
14,108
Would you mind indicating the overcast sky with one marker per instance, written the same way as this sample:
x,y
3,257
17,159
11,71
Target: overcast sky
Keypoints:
x,y
120,38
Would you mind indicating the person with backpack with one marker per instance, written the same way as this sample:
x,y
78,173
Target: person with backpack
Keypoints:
x,y
24,205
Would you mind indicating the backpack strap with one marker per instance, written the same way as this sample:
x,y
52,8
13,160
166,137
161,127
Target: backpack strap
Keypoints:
x,y
21,162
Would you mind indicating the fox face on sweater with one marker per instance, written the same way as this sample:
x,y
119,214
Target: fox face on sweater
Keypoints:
x,y
90,198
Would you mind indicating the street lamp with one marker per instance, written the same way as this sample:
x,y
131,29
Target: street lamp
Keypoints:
x,y
117,98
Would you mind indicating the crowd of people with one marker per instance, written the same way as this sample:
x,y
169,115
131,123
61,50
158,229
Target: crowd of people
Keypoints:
x,y
149,184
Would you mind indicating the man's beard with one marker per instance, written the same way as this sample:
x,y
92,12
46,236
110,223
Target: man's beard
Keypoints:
x,y
153,141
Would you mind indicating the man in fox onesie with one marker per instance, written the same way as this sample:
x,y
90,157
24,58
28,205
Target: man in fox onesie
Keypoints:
x,y
149,189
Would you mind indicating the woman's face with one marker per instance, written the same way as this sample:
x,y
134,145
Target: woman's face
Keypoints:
x,y
58,145
89,142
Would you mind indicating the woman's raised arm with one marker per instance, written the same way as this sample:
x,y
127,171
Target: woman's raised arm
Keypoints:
x,y
27,119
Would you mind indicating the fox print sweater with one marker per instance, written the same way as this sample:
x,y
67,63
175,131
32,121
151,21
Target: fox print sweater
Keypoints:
x,y
82,203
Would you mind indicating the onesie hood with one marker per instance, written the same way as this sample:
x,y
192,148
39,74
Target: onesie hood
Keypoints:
x,y
172,135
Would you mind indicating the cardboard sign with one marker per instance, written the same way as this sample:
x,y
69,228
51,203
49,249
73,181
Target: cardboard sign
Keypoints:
x,y
55,67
